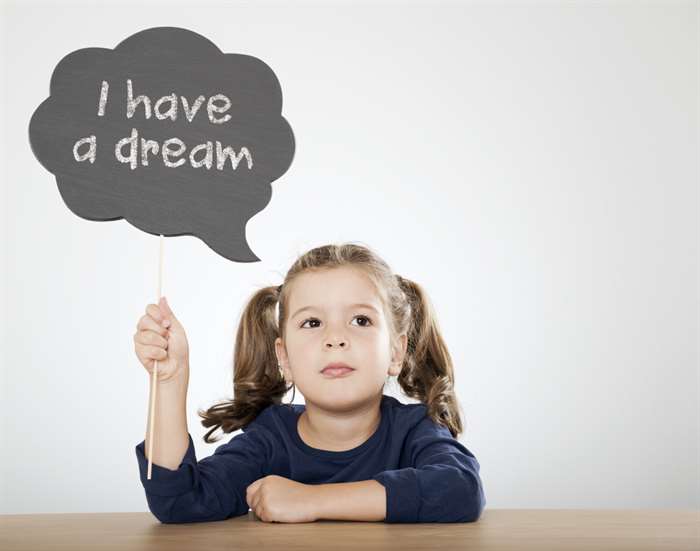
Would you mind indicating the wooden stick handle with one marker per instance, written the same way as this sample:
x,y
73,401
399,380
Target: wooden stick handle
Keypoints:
x,y
154,375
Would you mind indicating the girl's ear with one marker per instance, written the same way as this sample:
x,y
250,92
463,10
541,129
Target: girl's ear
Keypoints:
x,y
398,355
279,349
282,359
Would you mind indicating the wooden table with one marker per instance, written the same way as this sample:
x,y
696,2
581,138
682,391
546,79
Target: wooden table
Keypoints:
x,y
497,529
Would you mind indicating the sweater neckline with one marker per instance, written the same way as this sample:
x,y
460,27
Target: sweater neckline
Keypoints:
x,y
344,454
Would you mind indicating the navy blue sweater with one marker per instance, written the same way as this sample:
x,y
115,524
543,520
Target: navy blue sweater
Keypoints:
x,y
429,476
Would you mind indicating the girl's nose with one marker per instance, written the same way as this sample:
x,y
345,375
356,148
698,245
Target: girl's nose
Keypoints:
x,y
341,343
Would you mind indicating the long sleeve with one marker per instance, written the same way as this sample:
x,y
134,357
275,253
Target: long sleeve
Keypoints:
x,y
443,483
211,489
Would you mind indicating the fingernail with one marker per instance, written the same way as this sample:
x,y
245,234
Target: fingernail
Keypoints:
x,y
166,323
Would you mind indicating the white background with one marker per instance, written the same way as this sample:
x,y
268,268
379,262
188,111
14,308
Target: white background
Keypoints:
x,y
533,165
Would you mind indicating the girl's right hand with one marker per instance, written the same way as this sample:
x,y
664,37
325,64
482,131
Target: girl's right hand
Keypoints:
x,y
161,337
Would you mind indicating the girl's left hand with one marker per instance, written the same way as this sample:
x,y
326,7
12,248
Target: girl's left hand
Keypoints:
x,y
279,499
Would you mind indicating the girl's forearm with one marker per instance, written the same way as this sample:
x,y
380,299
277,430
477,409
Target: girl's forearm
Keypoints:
x,y
170,425
363,500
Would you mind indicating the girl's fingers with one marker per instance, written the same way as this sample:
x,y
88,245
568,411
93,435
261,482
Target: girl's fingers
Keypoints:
x,y
148,323
155,312
151,338
154,352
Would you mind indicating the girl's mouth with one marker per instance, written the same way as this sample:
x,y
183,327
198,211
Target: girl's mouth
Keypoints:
x,y
334,372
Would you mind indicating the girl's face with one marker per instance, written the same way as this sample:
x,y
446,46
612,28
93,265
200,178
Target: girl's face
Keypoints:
x,y
336,316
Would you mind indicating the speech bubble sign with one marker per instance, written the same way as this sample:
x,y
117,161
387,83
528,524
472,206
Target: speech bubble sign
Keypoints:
x,y
167,132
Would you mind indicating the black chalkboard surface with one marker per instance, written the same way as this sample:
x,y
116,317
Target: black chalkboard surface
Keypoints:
x,y
167,132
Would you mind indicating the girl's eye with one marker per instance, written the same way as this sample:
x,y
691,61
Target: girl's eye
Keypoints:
x,y
369,321
360,316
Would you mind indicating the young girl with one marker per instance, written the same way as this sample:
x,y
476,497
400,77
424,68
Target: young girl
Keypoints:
x,y
346,324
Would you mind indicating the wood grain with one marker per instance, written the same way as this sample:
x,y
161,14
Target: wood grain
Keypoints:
x,y
497,529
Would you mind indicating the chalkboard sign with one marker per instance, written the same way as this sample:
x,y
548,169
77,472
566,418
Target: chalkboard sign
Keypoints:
x,y
167,132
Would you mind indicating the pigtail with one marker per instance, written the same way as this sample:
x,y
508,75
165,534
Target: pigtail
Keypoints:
x,y
257,380
427,374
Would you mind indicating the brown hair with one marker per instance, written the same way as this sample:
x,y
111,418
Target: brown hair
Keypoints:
x,y
426,374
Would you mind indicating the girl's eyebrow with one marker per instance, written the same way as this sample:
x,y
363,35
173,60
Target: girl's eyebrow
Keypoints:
x,y
360,304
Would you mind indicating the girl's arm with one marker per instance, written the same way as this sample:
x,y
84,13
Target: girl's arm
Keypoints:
x,y
170,424
364,500
211,489
440,483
